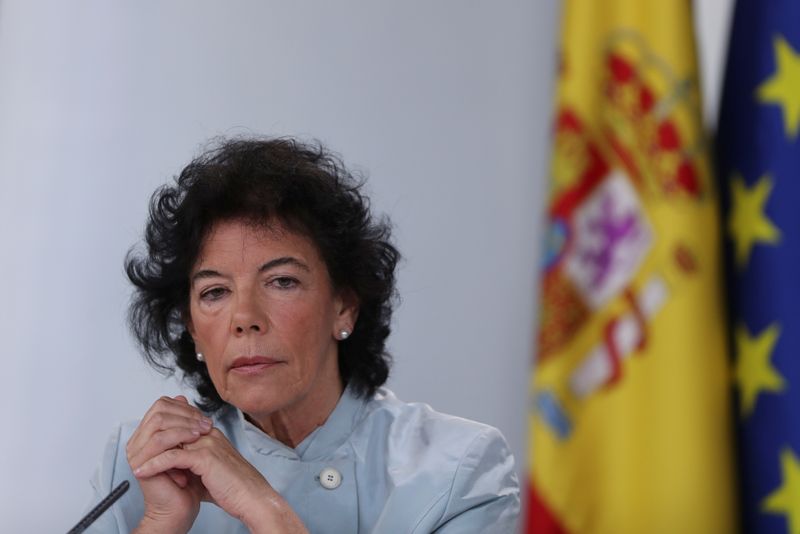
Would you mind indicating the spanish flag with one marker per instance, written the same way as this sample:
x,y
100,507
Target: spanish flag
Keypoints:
x,y
630,420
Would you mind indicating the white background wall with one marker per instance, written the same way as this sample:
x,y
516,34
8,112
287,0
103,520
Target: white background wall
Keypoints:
x,y
445,103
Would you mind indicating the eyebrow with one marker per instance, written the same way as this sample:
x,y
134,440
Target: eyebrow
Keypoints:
x,y
277,262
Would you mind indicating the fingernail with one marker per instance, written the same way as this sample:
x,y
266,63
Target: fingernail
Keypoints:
x,y
206,422
195,433
137,471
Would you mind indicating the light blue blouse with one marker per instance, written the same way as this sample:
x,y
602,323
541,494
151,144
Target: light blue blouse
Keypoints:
x,y
404,468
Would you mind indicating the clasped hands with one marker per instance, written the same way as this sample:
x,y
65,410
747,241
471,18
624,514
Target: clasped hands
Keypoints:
x,y
180,459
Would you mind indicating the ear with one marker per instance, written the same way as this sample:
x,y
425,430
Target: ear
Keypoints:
x,y
187,322
346,311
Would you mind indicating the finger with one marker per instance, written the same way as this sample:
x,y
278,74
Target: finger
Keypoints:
x,y
213,438
179,477
177,406
168,406
142,438
157,411
165,421
161,441
149,434
173,459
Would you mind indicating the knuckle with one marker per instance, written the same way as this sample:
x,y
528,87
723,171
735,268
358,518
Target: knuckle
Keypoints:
x,y
206,455
157,419
130,449
157,405
160,439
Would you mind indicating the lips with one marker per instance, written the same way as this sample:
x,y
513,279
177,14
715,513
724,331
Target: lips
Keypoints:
x,y
253,364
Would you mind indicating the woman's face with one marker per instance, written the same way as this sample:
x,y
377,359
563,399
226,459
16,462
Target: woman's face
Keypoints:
x,y
265,316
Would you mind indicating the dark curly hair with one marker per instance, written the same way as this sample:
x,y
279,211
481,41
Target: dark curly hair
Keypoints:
x,y
303,186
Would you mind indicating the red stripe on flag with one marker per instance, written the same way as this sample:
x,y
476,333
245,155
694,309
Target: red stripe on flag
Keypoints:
x,y
540,519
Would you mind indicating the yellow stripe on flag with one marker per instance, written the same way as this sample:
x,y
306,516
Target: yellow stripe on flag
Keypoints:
x,y
630,421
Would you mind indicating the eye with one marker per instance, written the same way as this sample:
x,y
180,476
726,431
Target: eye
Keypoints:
x,y
284,282
212,294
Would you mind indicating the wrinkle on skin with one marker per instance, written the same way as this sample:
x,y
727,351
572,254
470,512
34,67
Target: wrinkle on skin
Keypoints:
x,y
265,292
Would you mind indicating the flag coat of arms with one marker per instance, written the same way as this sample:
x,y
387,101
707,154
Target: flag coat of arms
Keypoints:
x,y
630,423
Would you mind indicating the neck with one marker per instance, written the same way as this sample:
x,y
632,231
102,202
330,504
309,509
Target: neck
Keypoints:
x,y
293,424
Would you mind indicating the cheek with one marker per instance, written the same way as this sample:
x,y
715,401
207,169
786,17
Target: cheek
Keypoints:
x,y
210,332
305,327
211,335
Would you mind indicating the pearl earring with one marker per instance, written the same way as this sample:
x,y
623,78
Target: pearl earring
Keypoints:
x,y
200,357
344,334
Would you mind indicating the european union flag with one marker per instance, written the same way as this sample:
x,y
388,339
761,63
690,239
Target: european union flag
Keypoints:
x,y
758,145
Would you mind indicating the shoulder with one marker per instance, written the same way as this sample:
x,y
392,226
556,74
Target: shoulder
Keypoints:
x,y
415,430
416,424
464,469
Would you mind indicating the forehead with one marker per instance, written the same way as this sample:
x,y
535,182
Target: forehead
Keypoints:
x,y
237,242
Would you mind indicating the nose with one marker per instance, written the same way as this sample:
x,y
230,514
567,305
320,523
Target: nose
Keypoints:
x,y
249,315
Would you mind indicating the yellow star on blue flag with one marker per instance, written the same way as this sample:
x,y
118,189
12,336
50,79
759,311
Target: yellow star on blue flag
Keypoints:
x,y
785,500
754,372
748,222
783,88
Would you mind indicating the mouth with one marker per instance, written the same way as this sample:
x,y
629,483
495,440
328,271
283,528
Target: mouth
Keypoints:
x,y
253,364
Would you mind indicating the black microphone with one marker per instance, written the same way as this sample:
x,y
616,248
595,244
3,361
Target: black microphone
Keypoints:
x,y
98,510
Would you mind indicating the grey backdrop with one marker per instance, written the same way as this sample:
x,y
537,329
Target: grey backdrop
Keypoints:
x,y
445,104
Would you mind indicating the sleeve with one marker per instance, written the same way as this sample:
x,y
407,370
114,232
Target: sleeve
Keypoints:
x,y
102,484
485,491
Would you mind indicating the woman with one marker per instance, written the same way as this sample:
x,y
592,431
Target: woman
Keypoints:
x,y
269,285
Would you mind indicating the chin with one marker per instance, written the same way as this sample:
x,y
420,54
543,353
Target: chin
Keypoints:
x,y
262,400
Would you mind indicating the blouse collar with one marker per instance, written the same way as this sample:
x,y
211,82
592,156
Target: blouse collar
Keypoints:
x,y
321,442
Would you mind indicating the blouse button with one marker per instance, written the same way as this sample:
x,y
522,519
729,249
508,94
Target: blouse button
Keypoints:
x,y
330,478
